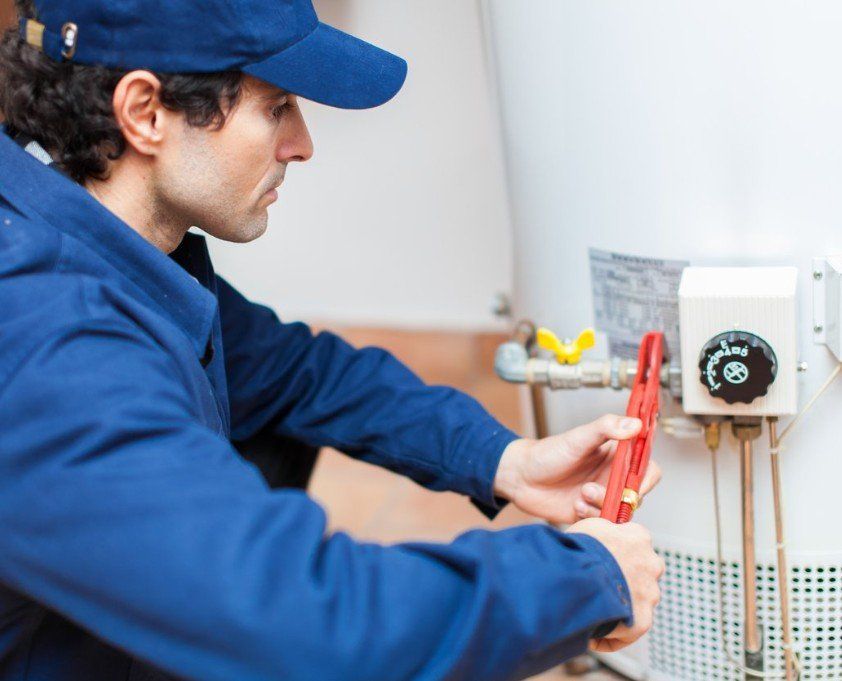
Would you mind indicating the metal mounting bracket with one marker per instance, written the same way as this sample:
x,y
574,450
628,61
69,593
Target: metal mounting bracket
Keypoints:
x,y
827,303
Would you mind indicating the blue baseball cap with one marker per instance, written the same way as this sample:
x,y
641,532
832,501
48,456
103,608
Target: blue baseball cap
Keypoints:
x,y
281,42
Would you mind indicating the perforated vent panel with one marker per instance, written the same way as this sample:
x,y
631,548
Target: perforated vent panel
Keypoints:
x,y
685,640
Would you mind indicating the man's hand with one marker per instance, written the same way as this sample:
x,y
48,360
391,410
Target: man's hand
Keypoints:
x,y
631,546
562,478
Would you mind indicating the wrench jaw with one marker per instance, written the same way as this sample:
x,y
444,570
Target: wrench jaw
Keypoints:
x,y
631,459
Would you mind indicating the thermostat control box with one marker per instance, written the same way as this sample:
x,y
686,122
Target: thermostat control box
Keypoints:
x,y
738,340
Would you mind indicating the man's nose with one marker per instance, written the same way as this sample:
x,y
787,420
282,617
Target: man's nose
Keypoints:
x,y
295,144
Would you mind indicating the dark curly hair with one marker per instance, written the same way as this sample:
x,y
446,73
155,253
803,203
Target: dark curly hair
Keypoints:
x,y
67,107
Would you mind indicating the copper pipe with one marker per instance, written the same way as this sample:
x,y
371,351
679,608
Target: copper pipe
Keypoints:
x,y
524,334
539,410
752,630
783,574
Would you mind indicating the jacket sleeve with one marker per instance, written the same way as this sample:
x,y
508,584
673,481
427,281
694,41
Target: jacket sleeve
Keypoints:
x,y
322,391
126,515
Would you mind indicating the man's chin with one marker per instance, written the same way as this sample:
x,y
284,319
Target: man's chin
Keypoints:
x,y
247,230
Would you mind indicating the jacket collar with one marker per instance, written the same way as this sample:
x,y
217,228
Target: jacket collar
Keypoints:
x,y
36,189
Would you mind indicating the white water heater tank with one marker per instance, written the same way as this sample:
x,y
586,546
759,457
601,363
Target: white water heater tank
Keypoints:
x,y
708,134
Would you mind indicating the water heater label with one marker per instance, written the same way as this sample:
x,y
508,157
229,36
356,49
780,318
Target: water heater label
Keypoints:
x,y
633,295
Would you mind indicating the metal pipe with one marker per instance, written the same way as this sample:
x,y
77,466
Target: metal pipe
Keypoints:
x,y
747,429
752,630
525,335
750,666
586,374
510,364
510,361
513,363
539,410
783,575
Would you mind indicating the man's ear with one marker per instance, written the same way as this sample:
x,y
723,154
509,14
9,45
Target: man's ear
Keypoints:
x,y
139,113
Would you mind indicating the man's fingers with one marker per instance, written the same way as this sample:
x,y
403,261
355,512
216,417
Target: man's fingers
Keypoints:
x,y
652,477
592,499
607,645
585,510
594,494
609,427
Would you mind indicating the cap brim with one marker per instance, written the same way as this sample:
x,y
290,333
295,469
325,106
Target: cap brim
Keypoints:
x,y
334,68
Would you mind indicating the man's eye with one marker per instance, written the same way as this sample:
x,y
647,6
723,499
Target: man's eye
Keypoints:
x,y
278,111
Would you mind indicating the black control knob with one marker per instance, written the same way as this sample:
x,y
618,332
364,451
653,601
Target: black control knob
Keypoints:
x,y
737,366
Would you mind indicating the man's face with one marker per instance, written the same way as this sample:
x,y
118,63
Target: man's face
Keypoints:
x,y
222,181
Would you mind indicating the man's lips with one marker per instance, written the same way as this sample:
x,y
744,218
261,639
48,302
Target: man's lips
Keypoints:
x,y
272,193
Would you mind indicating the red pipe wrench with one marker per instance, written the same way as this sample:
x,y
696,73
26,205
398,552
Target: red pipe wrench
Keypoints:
x,y
622,495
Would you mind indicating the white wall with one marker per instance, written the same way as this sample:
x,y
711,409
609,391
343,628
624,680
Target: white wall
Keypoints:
x,y
401,216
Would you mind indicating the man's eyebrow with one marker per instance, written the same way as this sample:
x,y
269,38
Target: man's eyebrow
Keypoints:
x,y
274,95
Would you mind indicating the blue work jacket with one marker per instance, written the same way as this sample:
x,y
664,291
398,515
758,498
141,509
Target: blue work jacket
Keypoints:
x,y
135,543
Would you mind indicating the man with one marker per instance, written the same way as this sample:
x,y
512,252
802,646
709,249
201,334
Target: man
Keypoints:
x,y
136,543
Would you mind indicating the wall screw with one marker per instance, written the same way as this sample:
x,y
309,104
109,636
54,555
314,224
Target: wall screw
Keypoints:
x,y
501,305
818,328
817,275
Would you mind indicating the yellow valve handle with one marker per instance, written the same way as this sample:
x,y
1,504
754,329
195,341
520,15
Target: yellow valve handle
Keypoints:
x,y
566,353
